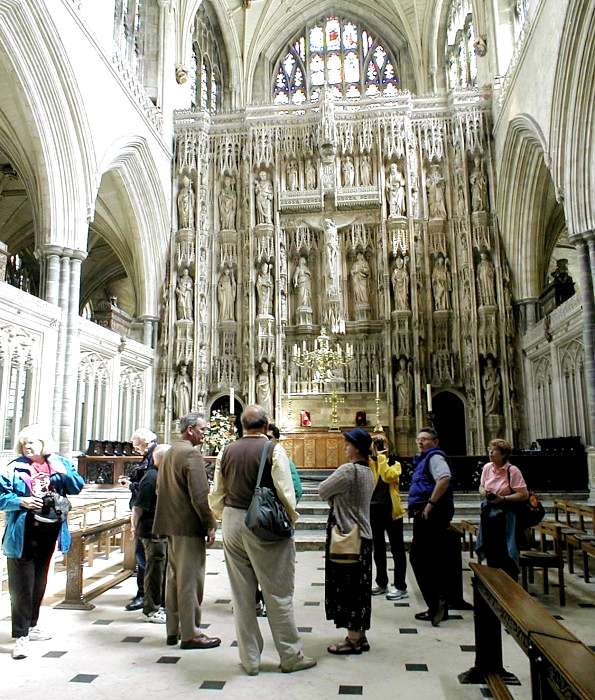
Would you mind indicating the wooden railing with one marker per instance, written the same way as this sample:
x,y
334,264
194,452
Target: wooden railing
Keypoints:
x,y
77,599
79,515
561,665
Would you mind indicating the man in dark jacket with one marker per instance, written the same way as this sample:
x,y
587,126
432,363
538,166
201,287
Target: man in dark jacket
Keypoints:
x,y
431,507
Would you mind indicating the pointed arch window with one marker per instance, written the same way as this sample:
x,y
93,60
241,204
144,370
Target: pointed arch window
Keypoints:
x,y
206,81
341,53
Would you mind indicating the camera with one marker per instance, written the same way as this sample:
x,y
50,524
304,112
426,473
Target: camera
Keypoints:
x,y
491,496
48,512
379,444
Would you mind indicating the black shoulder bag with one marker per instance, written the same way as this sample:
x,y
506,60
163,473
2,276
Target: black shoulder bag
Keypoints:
x,y
530,512
266,516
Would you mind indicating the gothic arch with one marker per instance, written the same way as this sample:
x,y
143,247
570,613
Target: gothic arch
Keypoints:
x,y
572,130
275,29
130,161
44,90
525,203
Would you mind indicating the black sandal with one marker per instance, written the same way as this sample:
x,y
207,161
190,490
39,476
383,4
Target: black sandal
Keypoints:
x,y
345,647
364,644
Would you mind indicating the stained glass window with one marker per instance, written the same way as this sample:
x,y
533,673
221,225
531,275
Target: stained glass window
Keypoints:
x,y
461,66
206,73
341,53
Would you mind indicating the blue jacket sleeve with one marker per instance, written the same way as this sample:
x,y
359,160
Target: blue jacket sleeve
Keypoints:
x,y
9,500
297,482
72,481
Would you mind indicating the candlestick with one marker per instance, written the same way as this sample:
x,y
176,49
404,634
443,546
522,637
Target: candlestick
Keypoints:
x,y
288,385
377,386
429,397
232,402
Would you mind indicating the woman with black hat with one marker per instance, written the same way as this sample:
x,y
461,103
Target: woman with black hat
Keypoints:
x,y
348,584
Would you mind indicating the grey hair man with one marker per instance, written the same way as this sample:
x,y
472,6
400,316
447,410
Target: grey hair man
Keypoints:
x,y
183,514
250,560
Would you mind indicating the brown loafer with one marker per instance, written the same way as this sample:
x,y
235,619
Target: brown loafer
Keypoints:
x,y
202,642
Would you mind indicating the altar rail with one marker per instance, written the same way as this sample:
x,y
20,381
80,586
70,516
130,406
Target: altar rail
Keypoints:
x,y
77,599
561,665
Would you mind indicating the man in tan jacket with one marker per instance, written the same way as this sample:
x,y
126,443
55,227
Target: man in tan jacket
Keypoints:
x,y
183,514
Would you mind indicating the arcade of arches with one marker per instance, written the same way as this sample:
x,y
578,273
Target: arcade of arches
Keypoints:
x,y
200,198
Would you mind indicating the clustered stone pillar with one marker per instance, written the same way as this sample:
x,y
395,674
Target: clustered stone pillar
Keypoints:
x,y
3,260
61,275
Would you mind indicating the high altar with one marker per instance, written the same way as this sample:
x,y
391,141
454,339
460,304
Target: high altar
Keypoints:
x,y
373,220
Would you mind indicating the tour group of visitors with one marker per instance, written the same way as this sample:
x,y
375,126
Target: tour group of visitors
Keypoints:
x,y
175,514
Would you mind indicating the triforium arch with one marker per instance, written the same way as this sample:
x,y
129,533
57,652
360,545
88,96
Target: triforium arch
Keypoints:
x,y
276,30
30,47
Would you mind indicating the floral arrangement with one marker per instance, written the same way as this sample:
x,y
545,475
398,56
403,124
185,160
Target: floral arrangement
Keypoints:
x,y
220,432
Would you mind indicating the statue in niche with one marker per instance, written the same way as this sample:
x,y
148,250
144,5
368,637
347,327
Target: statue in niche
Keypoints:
x,y
227,205
478,186
403,385
302,282
400,280
491,388
226,294
182,392
395,188
414,196
264,394
348,170
360,273
436,199
264,199
327,117
282,260
332,256
186,204
310,172
485,280
264,288
441,284
365,171
292,176
461,206
184,295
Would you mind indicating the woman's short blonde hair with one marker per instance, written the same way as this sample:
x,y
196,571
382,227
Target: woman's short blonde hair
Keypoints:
x,y
502,445
159,453
36,431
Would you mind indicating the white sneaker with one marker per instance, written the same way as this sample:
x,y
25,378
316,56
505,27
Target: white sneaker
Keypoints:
x,y
158,617
396,594
36,634
21,648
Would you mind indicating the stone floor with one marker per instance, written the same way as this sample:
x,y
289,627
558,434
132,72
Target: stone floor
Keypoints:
x,y
111,653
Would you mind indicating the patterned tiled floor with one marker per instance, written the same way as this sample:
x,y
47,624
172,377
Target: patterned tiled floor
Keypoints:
x,y
111,653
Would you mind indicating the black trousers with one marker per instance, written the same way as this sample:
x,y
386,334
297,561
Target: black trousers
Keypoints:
x,y
382,521
139,555
28,576
428,557
155,549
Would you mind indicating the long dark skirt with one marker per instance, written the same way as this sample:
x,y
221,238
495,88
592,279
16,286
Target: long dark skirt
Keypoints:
x,y
348,588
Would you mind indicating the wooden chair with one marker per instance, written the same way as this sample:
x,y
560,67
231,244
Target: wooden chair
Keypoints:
x,y
531,559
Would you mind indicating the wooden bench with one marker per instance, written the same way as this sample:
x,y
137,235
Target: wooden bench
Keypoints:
x,y
77,599
561,665
588,550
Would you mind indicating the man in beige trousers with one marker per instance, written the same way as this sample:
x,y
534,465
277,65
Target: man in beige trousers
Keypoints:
x,y
183,514
249,559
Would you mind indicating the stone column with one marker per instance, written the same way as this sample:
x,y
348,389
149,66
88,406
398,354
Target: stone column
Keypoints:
x,y
62,302
3,260
50,264
71,351
149,330
528,312
588,304
590,238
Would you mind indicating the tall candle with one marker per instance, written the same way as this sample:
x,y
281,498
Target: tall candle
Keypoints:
x,y
429,397
232,401
377,386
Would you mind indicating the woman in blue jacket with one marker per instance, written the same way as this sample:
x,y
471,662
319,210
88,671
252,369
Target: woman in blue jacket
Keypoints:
x,y
30,487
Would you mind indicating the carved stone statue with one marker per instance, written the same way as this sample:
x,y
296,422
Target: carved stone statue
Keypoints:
x,y
182,392
310,172
348,170
491,388
227,205
264,199
400,280
328,131
302,283
360,273
332,256
461,208
478,186
292,176
264,394
485,281
186,204
395,189
264,288
441,284
365,171
226,295
436,199
403,385
184,295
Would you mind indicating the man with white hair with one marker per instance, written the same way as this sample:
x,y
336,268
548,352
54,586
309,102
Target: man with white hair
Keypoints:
x,y
144,442
154,545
